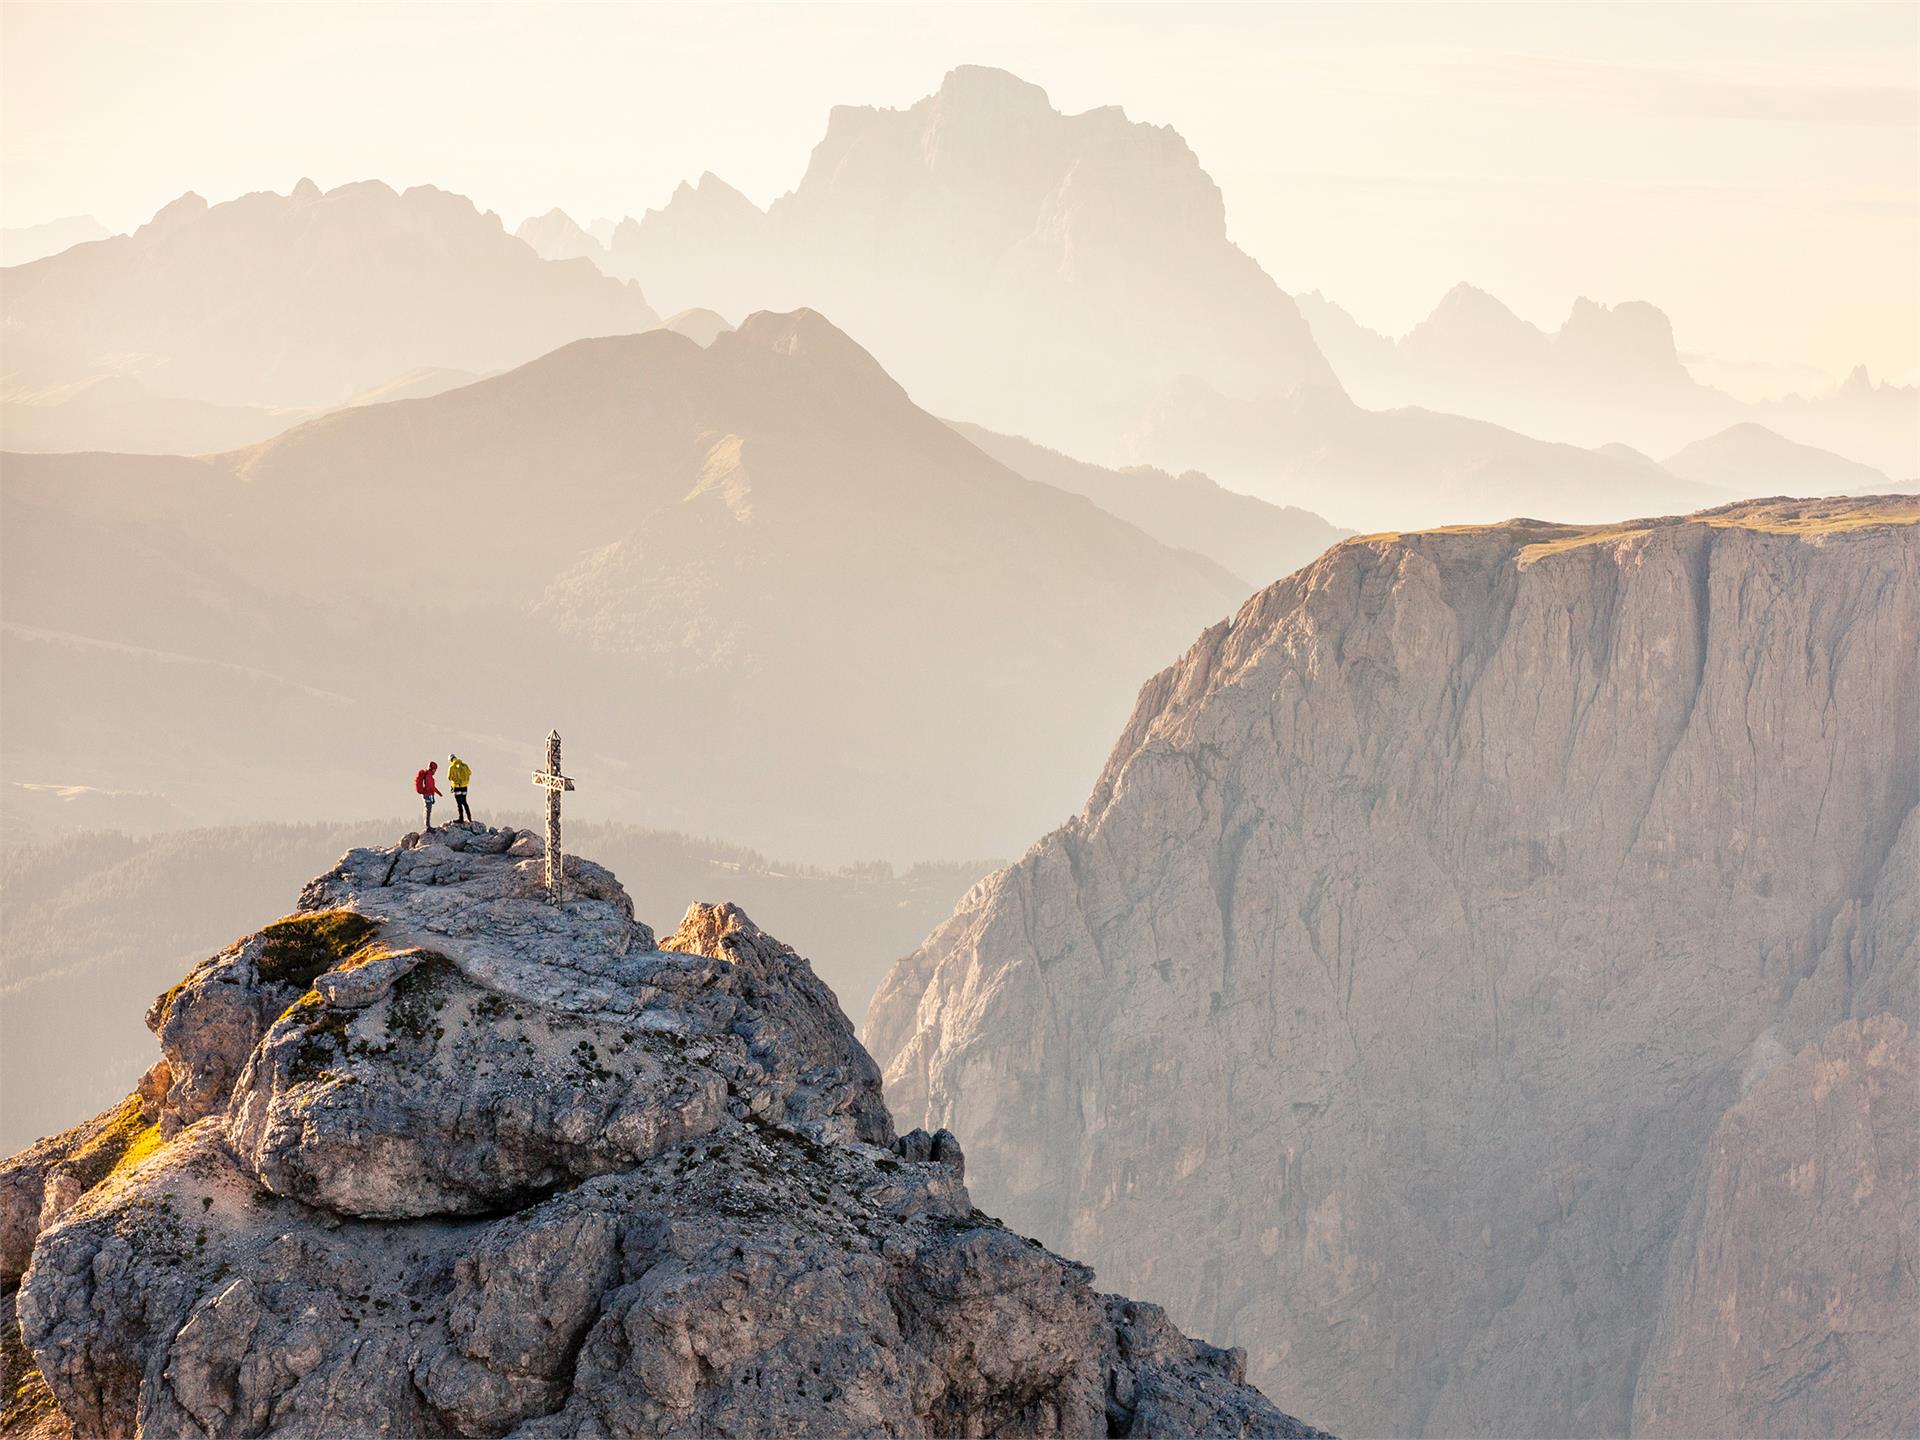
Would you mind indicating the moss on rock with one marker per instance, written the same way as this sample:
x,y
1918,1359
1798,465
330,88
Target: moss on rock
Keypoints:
x,y
301,948
122,1140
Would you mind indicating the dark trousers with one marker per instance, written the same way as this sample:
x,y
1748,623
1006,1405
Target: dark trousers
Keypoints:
x,y
429,800
460,795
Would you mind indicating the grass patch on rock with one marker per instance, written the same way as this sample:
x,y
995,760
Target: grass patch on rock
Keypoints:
x,y
298,950
121,1142
27,1406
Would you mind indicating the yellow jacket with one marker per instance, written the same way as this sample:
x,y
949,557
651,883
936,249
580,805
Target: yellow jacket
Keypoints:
x,y
458,773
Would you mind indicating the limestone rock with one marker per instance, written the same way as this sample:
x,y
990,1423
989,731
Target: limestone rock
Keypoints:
x,y
43,1182
1792,1295
1379,1011
494,1165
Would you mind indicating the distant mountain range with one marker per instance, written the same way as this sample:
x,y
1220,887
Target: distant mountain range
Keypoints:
x,y
301,300
875,637
1255,540
985,246
22,244
1752,456
1042,274
1609,374
1068,278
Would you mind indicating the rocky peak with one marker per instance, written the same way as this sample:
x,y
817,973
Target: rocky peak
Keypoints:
x,y
1469,325
432,1155
710,204
556,235
805,344
1858,382
189,207
989,152
1633,336
988,85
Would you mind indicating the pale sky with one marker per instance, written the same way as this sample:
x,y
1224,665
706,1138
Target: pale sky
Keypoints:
x,y
1753,170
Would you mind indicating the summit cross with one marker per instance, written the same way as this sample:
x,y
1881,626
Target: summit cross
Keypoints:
x,y
553,782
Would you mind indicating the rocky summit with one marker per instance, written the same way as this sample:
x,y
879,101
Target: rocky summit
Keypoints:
x,y
432,1156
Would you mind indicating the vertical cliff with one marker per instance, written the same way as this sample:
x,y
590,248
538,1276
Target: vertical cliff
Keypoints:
x,y
1383,1006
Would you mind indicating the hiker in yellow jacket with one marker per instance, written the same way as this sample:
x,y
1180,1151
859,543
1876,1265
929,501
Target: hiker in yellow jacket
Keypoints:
x,y
458,774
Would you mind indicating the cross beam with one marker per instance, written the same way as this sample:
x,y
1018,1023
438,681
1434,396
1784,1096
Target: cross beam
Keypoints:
x,y
553,782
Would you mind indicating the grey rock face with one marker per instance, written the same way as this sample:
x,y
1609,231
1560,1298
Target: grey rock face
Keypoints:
x,y
1379,1011
494,1166
1791,1294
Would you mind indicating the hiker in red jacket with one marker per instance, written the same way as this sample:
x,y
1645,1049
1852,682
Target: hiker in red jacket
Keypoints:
x,y
424,787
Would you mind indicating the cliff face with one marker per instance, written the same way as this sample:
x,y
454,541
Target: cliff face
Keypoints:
x,y
432,1157
1382,1008
1791,1294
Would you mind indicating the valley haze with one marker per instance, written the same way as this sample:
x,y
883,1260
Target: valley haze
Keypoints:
x,y
1304,620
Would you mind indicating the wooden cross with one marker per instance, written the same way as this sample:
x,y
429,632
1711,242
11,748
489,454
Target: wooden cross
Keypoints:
x,y
553,782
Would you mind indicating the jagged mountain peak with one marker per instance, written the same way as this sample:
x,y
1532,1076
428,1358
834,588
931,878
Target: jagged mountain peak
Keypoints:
x,y
1749,455
808,336
190,206
1860,383
1044,273
709,197
698,324
556,235
1464,295
711,186
442,1157
373,191
990,82
1001,138
1467,314
1632,332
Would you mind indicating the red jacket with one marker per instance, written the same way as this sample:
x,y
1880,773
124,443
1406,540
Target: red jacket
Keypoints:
x,y
423,782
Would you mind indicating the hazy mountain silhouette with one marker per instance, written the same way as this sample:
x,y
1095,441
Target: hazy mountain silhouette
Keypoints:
x,y
1257,541
413,385
21,244
1404,469
1878,423
760,591
555,236
120,413
700,326
1042,274
1610,373
1068,278
1752,455
302,300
